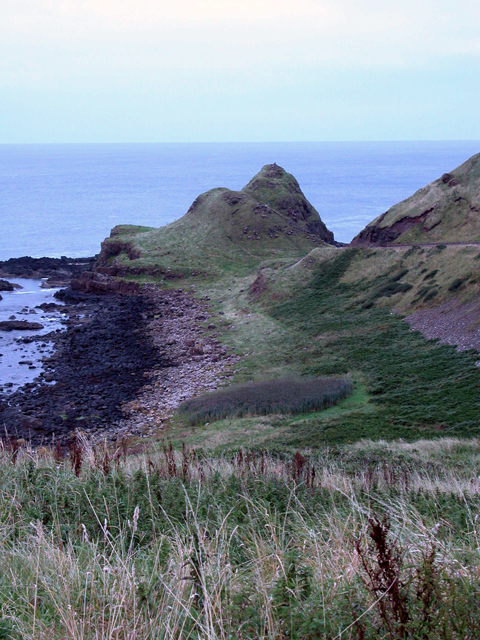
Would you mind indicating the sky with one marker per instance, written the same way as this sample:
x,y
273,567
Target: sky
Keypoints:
x,y
238,70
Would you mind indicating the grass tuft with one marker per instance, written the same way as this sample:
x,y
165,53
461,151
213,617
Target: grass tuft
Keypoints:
x,y
456,284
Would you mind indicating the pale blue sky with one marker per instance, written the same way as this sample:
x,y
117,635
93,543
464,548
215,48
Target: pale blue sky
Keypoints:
x,y
250,70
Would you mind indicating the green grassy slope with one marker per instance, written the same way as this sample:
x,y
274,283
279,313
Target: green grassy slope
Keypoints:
x,y
415,386
446,210
293,305
332,313
222,231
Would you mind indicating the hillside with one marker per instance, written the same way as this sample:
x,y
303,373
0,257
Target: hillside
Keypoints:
x,y
270,217
446,210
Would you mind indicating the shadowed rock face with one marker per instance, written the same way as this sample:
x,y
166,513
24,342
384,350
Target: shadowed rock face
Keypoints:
x,y
279,190
446,210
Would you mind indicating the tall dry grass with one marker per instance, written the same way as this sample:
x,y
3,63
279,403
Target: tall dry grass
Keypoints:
x,y
351,543
267,397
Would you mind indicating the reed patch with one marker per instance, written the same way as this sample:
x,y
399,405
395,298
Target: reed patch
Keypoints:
x,y
267,397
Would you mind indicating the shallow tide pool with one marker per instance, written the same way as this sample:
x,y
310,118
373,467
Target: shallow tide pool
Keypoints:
x,y
20,361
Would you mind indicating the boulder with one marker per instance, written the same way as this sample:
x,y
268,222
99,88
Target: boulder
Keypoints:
x,y
6,286
19,325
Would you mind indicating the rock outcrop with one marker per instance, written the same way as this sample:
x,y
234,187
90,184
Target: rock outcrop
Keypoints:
x,y
6,286
92,282
59,271
19,325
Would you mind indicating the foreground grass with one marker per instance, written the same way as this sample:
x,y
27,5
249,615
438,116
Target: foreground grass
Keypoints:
x,y
373,540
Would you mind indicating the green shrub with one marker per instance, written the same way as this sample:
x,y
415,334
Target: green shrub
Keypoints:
x,y
400,275
431,295
391,288
456,284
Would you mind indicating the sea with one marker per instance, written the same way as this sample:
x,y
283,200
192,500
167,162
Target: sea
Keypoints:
x,y
63,199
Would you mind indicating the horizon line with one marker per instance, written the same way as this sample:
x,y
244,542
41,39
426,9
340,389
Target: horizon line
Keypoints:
x,y
229,142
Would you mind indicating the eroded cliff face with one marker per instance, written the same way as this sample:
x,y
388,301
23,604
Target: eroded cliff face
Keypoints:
x,y
379,236
446,210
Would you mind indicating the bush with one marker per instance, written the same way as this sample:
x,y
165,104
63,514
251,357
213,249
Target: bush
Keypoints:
x,y
273,396
400,275
391,288
431,295
456,284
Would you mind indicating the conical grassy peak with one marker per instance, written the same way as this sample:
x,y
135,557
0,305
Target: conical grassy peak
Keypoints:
x,y
277,189
223,230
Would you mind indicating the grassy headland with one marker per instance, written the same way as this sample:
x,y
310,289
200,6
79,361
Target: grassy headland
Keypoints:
x,y
446,210
292,304
224,231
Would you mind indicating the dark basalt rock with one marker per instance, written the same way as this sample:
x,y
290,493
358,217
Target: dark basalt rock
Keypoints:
x,y
98,365
90,282
59,270
6,286
19,325
50,306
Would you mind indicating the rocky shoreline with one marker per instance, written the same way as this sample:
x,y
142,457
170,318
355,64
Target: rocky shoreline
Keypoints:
x,y
58,272
124,363
182,328
98,363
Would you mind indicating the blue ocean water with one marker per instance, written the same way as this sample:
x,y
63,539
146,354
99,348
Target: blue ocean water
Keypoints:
x,y
64,199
